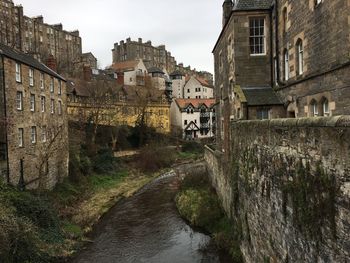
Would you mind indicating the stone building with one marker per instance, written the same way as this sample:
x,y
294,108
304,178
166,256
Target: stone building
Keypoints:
x,y
88,59
178,80
197,88
298,48
33,36
132,72
153,56
33,131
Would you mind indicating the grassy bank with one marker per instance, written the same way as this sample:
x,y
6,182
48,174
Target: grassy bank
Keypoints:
x,y
198,203
43,226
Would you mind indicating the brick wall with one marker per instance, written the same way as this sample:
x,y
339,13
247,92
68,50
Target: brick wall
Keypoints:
x,y
287,187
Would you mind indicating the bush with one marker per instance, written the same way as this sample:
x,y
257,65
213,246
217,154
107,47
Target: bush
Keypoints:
x,y
104,161
193,147
154,158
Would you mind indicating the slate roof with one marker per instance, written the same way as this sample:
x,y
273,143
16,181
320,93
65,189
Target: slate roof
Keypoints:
x,y
125,65
183,103
252,5
177,73
155,70
260,96
27,60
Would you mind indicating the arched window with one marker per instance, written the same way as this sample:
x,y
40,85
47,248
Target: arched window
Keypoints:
x,y
314,108
325,107
300,56
286,65
285,19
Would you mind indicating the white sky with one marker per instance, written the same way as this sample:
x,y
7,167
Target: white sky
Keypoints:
x,y
188,28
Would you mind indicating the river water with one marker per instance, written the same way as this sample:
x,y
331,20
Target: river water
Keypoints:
x,y
147,228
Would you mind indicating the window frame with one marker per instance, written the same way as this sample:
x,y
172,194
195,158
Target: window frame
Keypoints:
x,y
42,81
59,107
19,100
52,106
33,135
300,56
18,72
286,64
31,77
258,36
20,137
43,103
52,85
32,102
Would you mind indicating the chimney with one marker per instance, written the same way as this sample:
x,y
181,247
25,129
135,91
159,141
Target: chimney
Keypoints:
x,y
140,40
120,79
227,9
51,63
87,73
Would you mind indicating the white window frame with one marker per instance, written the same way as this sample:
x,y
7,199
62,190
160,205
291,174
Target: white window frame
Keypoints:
x,y
20,137
314,108
52,85
325,107
43,103
286,65
18,73
59,109
31,77
33,134
258,36
42,81
43,134
59,87
300,52
52,106
32,102
19,100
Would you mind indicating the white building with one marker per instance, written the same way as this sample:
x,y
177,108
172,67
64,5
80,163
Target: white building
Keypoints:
x,y
178,83
134,71
195,118
197,88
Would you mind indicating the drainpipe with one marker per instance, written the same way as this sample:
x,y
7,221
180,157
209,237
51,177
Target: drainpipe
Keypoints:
x,y
2,73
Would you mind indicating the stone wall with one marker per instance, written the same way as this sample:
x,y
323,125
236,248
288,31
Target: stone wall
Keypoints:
x,y
287,188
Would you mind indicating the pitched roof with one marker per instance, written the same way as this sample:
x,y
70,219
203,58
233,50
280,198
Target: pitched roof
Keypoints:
x,y
184,103
260,96
252,5
27,60
125,65
155,70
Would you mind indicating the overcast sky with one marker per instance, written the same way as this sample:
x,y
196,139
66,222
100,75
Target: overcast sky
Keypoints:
x,y
188,28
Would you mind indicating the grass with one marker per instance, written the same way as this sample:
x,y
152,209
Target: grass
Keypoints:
x,y
200,206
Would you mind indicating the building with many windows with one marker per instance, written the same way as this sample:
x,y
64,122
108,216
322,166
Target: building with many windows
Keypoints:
x,y
33,36
296,50
33,131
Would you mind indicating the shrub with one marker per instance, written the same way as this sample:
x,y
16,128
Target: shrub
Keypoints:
x,y
104,161
154,158
193,147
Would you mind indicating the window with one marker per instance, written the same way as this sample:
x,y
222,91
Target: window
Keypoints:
x,y
318,2
43,134
59,107
20,137
188,90
33,135
314,108
52,106
59,87
31,77
262,114
52,85
19,100
42,85
325,107
257,36
32,102
185,122
285,19
43,103
18,73
300,57
286,65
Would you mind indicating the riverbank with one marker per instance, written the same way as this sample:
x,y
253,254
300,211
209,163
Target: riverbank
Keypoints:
x,y
198,204
41,226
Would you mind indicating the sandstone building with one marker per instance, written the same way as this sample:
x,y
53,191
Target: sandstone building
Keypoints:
x,y
298,48
33,131
33,36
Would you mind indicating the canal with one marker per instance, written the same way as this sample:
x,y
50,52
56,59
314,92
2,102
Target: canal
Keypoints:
x,y
147,228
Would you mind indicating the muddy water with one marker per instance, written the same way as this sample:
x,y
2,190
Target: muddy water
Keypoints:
x,y
147,228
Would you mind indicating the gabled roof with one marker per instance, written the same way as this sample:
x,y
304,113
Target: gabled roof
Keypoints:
x,y
125,65
201,81
27,60
192,126
260,96
155,70
196,103
243,5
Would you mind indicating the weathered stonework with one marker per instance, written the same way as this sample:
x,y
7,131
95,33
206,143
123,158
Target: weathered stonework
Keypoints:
x,y
288,187
44,161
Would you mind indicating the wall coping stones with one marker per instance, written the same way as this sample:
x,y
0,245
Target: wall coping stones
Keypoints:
x,y
342,121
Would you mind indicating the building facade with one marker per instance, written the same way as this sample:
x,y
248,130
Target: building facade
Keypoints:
x,y
193,118
153,56
300,49
197,88
33,36
34,130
